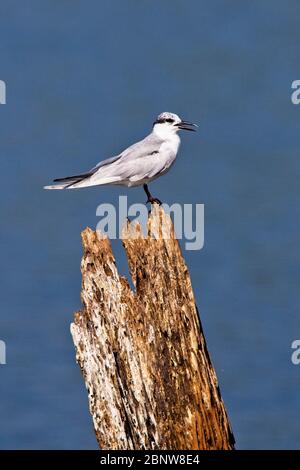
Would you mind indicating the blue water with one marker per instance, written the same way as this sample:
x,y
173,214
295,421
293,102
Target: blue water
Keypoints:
x,y
84,80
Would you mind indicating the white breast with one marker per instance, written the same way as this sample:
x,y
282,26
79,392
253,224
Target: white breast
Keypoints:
x,y
171,145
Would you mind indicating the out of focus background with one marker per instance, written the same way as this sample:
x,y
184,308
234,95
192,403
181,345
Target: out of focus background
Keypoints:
x,y
85,79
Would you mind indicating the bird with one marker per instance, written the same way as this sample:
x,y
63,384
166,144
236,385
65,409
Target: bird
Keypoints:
x,y
139,164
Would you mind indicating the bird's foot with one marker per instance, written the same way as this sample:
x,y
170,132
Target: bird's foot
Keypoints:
x,y
153,200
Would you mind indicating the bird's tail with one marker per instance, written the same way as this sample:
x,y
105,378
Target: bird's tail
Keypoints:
x,y
56,186
85,183
63,183
68,181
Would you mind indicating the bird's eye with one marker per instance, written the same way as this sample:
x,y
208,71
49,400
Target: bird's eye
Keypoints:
x,y
163,120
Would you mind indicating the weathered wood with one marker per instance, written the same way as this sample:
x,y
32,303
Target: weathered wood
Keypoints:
x,y
143,354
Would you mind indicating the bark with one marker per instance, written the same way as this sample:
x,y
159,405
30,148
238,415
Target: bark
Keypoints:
x,y
143,355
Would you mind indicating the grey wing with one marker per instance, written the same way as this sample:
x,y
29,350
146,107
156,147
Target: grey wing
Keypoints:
x,y
105,162
147,146
137,161
70,180
140,149
145,160
78,178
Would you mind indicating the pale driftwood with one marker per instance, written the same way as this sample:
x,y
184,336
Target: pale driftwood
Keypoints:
x,y
143,355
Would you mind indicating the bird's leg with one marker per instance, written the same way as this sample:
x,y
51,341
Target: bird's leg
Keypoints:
x,y
150,199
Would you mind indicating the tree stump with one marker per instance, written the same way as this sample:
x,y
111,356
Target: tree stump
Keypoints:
x,y
142,353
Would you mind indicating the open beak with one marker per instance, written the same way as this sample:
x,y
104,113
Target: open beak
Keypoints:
x,y
187,126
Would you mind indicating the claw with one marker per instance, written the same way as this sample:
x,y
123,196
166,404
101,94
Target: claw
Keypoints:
x,y
151,199
154,200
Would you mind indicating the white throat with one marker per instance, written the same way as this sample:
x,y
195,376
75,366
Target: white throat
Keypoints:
x,y
165,132
169,136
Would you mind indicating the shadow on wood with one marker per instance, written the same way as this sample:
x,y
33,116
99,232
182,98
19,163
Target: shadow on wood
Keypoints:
x,y
143,355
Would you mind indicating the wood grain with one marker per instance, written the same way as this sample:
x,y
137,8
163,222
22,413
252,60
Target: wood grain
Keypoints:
x,y
143,355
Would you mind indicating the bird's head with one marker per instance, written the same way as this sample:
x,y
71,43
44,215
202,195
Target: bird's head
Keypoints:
x,y
168,124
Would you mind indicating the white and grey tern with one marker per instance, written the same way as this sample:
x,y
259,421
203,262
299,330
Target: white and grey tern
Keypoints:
x,y
140,163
